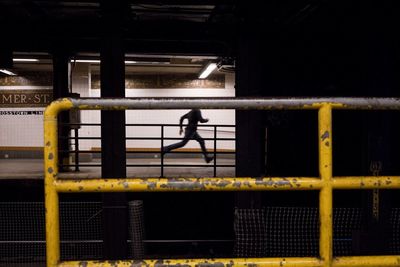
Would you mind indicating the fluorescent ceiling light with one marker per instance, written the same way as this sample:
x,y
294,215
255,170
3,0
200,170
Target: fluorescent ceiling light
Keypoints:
x,y
87,61
207,70
98,61
8,72
25,59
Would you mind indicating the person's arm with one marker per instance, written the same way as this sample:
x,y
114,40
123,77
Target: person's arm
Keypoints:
x,y
201,119
181,122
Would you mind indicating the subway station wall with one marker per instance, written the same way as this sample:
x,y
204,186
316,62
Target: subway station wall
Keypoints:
x,y
22,102
23,99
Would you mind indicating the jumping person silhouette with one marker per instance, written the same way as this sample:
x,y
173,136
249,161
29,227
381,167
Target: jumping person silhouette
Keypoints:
x,y
194,117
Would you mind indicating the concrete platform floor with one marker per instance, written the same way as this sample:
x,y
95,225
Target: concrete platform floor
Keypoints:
x,y
33,168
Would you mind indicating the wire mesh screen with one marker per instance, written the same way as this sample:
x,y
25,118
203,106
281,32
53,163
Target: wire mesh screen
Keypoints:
x,y
136,229
345,222
267,232
395,223
250,232
291,231
81,230
22,232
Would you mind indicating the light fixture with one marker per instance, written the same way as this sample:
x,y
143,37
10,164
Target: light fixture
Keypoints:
x,y
207,70
130,62
25,59
8,72
87,61
97,61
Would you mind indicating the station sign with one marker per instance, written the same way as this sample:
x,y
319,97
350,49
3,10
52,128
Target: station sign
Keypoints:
x,y
25,98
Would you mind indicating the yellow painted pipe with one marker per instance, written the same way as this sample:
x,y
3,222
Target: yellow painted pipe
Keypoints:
x,y
51,172
325,195
366,182
234,262
354,261
223,184
187,184
325,184
366,261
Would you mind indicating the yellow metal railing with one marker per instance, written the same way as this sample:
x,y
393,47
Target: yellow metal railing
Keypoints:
x,y
325,183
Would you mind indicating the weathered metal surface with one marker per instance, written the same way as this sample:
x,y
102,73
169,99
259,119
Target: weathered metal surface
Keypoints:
x,y
237,103
367,182
325,195
325,183
222,184
187,184
56,107
366,261
358,261
51,171
234,262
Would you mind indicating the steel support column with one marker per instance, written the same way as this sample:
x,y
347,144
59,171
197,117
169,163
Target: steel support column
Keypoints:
x,y
61,89
113,157
250,130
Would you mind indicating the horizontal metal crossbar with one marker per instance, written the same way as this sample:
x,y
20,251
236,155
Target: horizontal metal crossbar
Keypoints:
x,y
325,183
187,184
361,261
222,184
230,103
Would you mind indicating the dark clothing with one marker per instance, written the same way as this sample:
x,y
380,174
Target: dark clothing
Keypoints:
x,y
194,117
189,135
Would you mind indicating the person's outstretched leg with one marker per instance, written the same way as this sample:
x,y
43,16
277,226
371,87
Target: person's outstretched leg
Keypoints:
x,y
182,143
200,139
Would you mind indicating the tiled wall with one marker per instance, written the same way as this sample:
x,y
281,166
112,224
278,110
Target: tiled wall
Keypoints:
x,y
21,125
27,130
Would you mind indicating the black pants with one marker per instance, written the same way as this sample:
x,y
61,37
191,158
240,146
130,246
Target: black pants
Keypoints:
x,y
189,135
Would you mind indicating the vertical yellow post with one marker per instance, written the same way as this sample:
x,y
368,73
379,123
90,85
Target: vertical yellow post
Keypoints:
x,y
51,172
51,196
325,195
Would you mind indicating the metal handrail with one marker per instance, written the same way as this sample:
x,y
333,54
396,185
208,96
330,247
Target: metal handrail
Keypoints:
x,y
325,183
162,138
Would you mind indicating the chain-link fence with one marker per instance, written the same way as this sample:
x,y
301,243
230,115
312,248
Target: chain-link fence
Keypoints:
x,y
266,232
250,230
22,232
395,224
292,231
136,229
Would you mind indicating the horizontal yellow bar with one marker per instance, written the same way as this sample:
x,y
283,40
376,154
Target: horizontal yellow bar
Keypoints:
x,y
187,184
235,262
356,261
366,261
223,184
366,182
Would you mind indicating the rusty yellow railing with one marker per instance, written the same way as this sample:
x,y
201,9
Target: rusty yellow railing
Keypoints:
x,y
325,183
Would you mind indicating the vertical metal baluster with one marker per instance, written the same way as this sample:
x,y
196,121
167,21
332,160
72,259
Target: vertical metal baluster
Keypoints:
x,y
76,130
161,151
215,151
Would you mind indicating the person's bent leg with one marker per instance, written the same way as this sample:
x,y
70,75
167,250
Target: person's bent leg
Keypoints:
x,y
200,140
175,146
180,144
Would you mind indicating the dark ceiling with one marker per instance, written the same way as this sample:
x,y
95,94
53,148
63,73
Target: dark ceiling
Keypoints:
x,y
207,27
301,44
198,26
